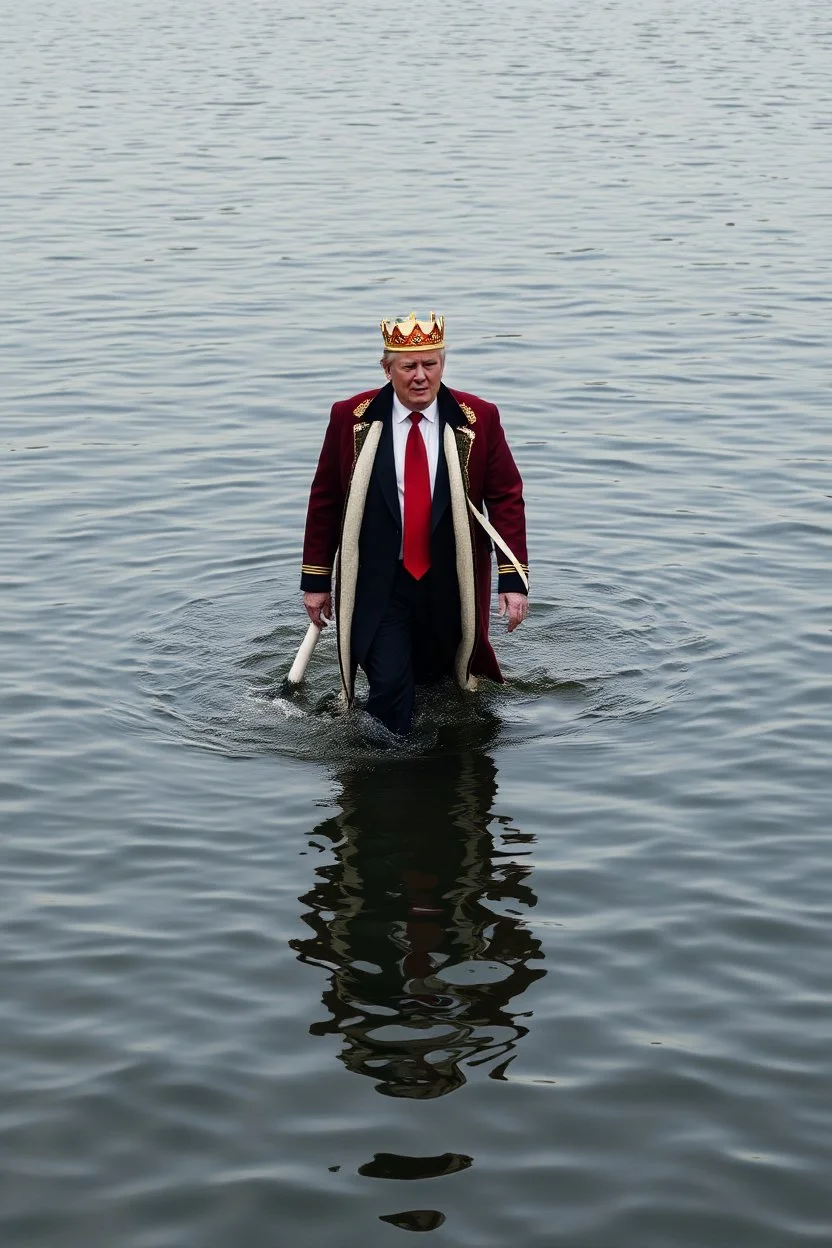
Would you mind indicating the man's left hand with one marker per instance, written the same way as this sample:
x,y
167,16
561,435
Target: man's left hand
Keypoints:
x,y
517,608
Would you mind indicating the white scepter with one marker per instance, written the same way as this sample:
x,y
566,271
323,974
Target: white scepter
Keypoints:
x,y
304,654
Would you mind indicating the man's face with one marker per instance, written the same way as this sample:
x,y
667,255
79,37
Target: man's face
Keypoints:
x,y
416,376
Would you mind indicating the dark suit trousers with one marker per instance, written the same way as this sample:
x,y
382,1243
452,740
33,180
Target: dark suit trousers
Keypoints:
x,y
404,652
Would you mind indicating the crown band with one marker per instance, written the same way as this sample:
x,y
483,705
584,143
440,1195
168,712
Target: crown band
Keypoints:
x,y
408,334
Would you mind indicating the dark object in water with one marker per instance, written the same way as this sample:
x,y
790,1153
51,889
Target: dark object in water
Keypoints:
x,y
415,1219
395,1166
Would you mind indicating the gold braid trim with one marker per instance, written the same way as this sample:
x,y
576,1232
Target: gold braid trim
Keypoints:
x,y
359,411
469,413
464,442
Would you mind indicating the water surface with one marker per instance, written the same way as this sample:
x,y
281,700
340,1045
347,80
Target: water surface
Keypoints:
x,y
557,971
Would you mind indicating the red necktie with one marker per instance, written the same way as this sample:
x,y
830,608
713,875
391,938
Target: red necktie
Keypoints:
x,y
416,544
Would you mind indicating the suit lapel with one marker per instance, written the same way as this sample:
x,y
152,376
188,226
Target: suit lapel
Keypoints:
x,y
441,486
381,409
449,414
449,410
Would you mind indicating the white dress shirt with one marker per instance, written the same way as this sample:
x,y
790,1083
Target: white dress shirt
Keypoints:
x,y
429,428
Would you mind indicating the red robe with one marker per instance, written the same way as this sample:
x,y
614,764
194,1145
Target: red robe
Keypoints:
x,y
492,479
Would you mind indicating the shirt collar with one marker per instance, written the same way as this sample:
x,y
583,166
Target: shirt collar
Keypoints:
x,y
401,413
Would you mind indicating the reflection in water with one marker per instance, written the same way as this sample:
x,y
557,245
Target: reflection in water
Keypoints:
x,y
419,921
416,1219
395,1166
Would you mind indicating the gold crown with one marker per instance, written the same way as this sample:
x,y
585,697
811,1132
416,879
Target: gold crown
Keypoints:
x,y
408,334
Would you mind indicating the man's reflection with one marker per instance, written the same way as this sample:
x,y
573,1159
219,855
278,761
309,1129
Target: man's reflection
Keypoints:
x,y
419,920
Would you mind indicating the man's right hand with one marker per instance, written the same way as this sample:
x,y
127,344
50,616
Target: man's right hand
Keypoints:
x,y
318,608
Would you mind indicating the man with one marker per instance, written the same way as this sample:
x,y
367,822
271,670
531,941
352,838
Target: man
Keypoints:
x,y
399,471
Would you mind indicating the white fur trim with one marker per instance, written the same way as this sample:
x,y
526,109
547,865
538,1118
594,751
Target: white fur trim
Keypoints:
x,y
464,564
348,553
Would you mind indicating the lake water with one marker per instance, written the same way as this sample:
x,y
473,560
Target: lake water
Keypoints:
x,y
556,973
